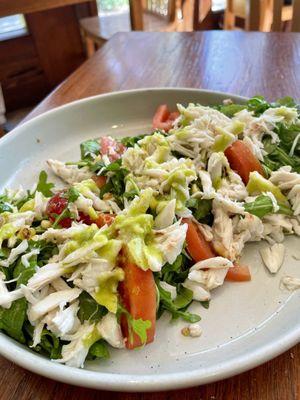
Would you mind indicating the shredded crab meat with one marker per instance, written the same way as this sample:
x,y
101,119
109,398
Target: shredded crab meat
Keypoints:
x,y
147,197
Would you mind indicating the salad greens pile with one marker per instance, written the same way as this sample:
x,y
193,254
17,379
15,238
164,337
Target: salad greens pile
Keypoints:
x,y
146,225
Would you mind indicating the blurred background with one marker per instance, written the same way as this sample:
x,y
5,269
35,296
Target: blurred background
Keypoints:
x,y
44,41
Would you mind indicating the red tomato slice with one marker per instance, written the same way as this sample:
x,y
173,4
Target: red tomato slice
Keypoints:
x,y
138,294
238,273
99,180
163,118
104,219
111,148
84,218
242,160
55,207
198,248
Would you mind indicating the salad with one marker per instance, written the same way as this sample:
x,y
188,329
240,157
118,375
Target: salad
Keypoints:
x,y
145,225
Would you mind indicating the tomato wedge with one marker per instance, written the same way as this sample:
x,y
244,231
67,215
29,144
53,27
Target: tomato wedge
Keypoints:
x,y
56,205
99,180
104,219
138,294
242,160
198,248
163,118
238,273
111,148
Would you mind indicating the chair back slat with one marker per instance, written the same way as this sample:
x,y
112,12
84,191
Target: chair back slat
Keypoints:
x,y
136,15
277,12
278,15
296,16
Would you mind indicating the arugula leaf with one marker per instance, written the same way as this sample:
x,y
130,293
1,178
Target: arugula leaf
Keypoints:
x,y
230,109
184,297
116,182
73,194
201,208
263,205
277,156
286,101
205,304
114,166
5,207
287,136
130,141
98,350
89,309
131,194
177,307
96,166
43,186
47,250
258,105
13,318
50,345
89,148
176,272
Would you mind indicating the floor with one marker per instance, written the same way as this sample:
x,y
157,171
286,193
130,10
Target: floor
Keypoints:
x,y
14,118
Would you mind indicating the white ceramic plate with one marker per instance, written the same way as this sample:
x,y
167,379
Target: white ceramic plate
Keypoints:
x,y
246,324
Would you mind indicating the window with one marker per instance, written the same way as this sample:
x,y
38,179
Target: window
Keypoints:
x,y
12,26
112,6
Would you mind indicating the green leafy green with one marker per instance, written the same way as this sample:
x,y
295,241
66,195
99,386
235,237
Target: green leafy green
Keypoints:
x,y
47,250
89,149
287,136
131,194
205,304
50,345
263,205
258,105
73,194
231,109
176,272
200,208
5,207
286,101
89,309
13,318
184,297
177,308
43,186
116,182
130,141
98,350
277,156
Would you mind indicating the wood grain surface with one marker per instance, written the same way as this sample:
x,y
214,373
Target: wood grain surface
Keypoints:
x,y
237,62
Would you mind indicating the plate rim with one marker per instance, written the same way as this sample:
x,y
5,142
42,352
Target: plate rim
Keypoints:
x,y
23,357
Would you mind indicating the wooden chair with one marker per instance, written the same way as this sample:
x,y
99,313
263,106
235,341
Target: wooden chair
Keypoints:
x,y
263,15
282,13
248,10
149,15
193,13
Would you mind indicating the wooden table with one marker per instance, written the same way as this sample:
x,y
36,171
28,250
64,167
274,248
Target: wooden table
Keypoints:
x,y
237,62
